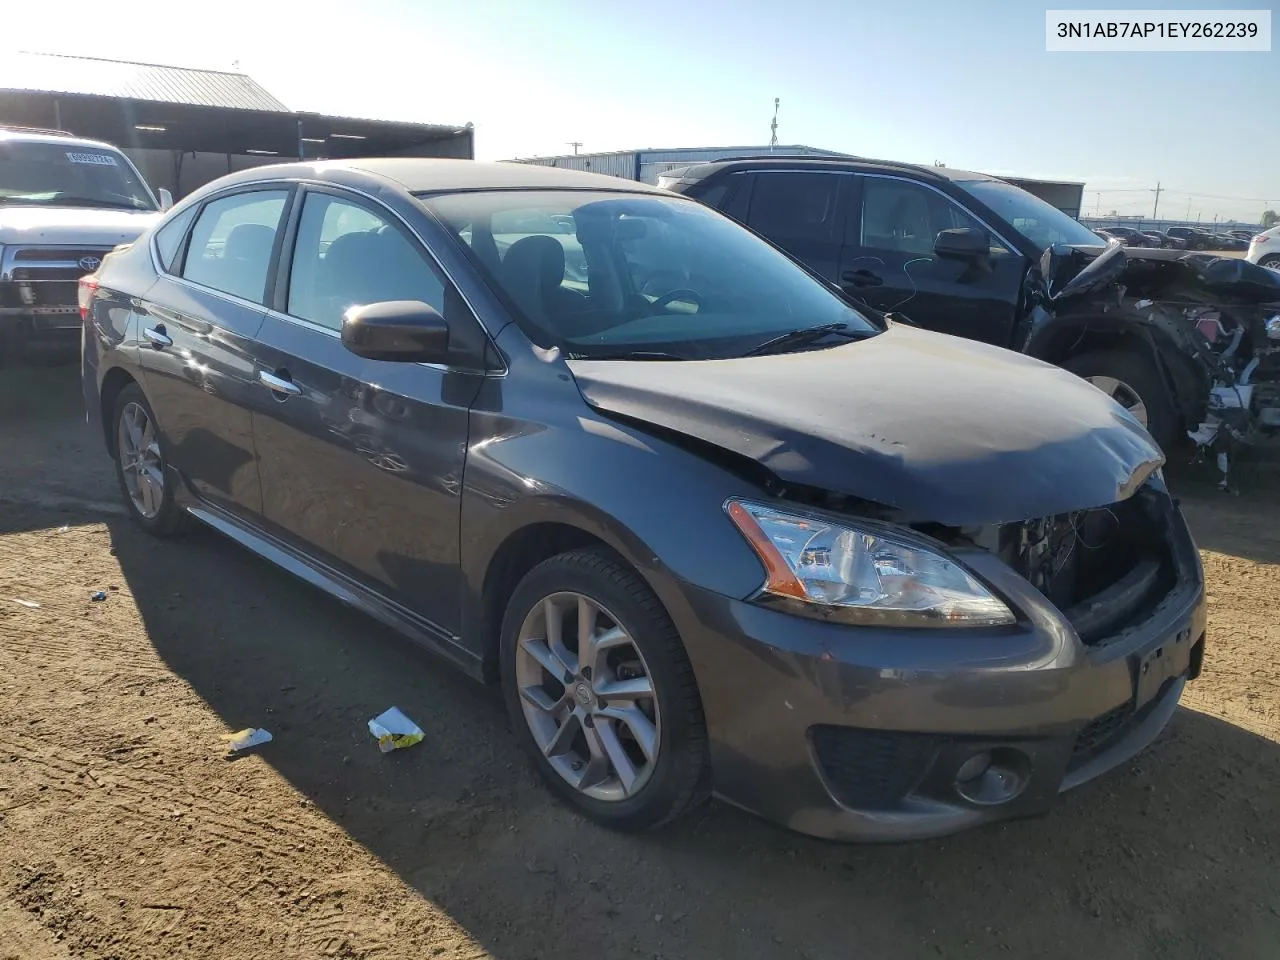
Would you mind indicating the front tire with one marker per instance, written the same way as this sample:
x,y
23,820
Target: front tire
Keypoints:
x,y
142,468
601,693
1133,381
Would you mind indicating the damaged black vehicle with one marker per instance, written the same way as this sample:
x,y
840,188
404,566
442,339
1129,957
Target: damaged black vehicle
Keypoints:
x,y
1169,335
713,529
1210,327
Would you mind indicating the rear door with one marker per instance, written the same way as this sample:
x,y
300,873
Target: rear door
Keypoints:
x,y
361,460
197,354
889,262
802,211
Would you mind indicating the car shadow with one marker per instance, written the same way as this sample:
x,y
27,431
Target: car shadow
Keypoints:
x,y
1174,854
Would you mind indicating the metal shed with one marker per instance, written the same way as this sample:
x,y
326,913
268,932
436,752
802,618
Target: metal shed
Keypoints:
x,y
185,127
646,165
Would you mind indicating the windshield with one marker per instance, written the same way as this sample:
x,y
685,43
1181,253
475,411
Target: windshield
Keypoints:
x,y
608,274
69,175
1042,224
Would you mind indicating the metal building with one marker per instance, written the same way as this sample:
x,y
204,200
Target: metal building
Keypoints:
x,y
183,127
647,165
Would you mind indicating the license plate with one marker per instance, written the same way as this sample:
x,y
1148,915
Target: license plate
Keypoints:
x,y
1154,667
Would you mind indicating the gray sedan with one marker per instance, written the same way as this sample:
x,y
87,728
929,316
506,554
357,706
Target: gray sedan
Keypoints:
x,y
712,527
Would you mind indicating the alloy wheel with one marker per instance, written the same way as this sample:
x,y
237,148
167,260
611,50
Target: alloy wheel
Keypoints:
x,y
1123,394
140,460
588,697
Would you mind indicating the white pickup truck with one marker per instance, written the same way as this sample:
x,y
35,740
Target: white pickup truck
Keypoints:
x,y
65,203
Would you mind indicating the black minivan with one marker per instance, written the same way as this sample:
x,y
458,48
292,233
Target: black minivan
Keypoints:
x,y
711,528
967,254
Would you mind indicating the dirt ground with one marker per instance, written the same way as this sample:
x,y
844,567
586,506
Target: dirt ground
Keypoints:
x,y
125,834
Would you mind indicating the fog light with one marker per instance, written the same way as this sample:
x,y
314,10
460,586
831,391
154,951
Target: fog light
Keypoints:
x,y
973,768
990,779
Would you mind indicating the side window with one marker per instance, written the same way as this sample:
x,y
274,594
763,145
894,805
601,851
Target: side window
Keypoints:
x,y
231,243
794,206
169,237
906,217
346,255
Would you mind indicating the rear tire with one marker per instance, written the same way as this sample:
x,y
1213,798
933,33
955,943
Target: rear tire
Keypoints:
x,y
1271,260
1127,374
662,769
142,466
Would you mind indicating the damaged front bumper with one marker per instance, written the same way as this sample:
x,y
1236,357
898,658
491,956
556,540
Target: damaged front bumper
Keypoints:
x,y
891,734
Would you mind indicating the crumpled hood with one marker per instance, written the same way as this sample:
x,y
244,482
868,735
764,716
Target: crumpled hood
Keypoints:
x,y
79,226
938,428
1071,272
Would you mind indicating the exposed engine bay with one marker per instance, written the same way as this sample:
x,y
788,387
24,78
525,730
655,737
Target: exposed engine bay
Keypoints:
x,y
1221,314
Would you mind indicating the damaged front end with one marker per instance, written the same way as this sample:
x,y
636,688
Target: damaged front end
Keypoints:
x,y
1212,322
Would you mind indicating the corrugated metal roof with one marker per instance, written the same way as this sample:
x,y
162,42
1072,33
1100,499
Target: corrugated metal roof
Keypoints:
x,y
138,81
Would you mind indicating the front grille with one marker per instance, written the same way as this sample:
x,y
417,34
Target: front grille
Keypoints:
x,y
872,770
1111,727
1103,568
63,254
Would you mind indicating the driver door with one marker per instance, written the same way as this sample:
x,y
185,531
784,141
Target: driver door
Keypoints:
x,y
889,263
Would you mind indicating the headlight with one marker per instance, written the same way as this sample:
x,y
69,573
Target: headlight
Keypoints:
x,y
1273,327
863,575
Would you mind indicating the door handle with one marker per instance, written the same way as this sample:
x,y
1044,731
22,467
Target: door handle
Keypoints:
x,y
158,336
861,278
281,386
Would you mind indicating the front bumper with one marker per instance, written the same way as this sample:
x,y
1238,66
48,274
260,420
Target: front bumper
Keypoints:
x,y
861,733
52,332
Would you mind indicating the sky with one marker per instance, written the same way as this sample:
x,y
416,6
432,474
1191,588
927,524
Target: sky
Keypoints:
x,y
965,83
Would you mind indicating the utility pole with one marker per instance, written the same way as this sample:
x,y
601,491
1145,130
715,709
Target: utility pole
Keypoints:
x,y
1097,198
1188,208
1156,191
773,127
575,144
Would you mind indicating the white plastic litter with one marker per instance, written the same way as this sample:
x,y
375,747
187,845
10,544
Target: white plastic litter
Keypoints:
x,y
29,604
246,738
394,731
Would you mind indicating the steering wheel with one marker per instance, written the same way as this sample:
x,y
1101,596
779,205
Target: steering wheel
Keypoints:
x,y
677,295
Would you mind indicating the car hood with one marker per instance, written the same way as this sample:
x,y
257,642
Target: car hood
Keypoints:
x,y
81,226
1072,272
935,427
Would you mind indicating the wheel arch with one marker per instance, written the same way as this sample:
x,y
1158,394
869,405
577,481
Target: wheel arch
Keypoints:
x,y
113,383
1186,385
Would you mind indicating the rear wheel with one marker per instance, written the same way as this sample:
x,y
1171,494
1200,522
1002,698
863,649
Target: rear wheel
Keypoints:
x,y
142,467
1271,260
601,693
1133,382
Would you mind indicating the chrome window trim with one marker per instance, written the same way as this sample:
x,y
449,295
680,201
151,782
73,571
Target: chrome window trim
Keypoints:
x,y
1011,247
311,325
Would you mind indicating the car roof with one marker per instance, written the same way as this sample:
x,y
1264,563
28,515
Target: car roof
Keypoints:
x,y
700,171
16,135
423,175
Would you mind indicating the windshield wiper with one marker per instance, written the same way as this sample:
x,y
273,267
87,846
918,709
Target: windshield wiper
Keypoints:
x,y
629,355
798,338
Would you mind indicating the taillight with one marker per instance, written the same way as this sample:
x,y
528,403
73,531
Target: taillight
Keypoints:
x,y
1260,238
88,287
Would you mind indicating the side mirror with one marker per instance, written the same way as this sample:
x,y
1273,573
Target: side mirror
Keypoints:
x,y
962,243
166,199
408,331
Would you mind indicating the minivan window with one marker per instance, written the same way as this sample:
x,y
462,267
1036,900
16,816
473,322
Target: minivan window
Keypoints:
x,y
1041,223
346,255
70,175
794,206
231,243
638,273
